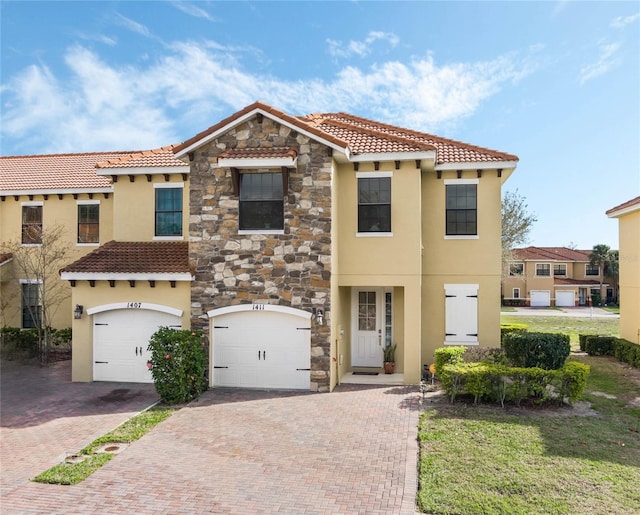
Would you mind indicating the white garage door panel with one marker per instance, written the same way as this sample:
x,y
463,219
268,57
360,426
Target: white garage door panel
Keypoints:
x,y
120,340
540,298
261,349
565,298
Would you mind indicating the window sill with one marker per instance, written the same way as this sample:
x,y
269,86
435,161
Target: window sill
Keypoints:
x,y
96,244
374,235
261,231
168,238
31,244
462,343
462,237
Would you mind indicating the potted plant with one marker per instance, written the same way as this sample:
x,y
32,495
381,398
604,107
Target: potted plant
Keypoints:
x,y
389,352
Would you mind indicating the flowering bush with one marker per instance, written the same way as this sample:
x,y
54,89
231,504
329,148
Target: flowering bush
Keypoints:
x,y
178,362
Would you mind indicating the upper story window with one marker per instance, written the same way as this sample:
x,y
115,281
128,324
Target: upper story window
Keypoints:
x,y
168,213
462,208
543,269
32,224
516,269
261,201
374,202
592,270
89,222
560,269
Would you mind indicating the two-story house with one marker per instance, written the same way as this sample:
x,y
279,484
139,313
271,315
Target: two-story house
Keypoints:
x,y
628,215
301,245
551,276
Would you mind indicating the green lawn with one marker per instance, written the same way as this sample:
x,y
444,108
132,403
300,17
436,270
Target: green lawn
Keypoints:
x,y
559,460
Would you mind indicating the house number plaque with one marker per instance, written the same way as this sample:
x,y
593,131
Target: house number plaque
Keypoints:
x,y
134,305
258,307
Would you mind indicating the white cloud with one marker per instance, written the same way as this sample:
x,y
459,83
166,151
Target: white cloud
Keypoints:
x,y
192,10
360,48
623,21
169,99
132,25
607,60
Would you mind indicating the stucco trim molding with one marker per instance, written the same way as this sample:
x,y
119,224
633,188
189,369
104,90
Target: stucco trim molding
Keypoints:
x,y
259,307
135,305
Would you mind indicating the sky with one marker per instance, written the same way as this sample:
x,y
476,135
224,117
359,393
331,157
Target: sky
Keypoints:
x,y
555,82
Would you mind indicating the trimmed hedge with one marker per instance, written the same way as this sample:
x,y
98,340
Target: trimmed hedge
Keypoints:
x,y
623,350
497,383
512,328
544,350
446,355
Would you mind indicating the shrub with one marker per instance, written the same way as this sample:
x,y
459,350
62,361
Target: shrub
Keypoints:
x,y
178,362
18,343
599,345
446,355
484,355
512,328
582,340
544,350
573,380
626,351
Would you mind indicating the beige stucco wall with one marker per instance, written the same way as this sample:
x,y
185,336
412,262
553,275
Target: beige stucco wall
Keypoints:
x,y
83,294
629,239
55,211
382,261
134,207
460,261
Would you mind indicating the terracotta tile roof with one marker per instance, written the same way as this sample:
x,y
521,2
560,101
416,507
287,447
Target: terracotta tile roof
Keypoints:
x,y
162,257
448,150
5,258
361,136
551,254
625,205
576,282
144,159
54,171
259,153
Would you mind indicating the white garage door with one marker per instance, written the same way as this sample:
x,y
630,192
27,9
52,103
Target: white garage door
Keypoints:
x,y
565,298
120,340
261,348
540,298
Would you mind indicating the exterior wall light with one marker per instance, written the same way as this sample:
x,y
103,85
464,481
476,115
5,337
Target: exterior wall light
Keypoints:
x,y
77,313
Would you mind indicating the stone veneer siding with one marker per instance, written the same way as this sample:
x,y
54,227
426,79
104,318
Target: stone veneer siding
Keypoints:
x,y
291,269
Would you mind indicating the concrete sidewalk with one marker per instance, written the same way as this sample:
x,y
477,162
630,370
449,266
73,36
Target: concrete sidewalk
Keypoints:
x,y
578,312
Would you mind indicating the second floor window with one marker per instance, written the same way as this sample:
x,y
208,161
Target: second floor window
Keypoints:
x,y
168,212
462,211
88,223
559,269
261,201
543,269
374,204
31,225
592,270
516,269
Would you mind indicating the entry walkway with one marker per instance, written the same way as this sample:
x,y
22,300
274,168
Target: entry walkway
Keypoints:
x,y
232,451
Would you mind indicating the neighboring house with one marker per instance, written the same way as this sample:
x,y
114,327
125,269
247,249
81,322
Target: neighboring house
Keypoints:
x,y
300,245
552,276
628,215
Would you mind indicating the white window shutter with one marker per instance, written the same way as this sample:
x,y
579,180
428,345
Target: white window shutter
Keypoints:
x,y
461,314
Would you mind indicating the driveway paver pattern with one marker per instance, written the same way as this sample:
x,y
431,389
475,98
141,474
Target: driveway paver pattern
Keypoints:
x,y
242,451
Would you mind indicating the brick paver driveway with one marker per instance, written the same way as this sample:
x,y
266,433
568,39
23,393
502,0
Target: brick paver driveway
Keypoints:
x,y
350,451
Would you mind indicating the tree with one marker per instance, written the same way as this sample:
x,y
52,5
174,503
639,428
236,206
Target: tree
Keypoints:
x,y
38,265
516,224
605,259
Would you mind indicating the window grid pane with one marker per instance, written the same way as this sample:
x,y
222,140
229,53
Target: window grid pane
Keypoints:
x,y
367,311
261,201
374,204
89,223
168,212
31,224
461,207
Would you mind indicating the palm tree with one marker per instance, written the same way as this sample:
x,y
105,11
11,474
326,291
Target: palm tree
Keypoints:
x,y
601,256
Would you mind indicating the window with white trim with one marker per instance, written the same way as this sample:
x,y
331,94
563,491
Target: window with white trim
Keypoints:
x,y
560,269
261,201
516,269
461,207
168,210
88,222
516,293
461,314
592,270
543,269
374,203
32,224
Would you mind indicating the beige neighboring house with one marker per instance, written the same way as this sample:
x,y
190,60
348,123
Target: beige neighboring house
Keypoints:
x,y
552,276
628,215
301,245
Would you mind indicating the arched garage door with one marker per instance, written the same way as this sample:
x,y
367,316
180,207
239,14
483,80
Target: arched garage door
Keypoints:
x,y
120,340
261,346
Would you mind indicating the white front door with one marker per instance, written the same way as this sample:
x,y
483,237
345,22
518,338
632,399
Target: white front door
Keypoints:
x,y
371,310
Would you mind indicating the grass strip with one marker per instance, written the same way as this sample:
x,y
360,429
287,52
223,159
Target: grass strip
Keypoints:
x,y
73,472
